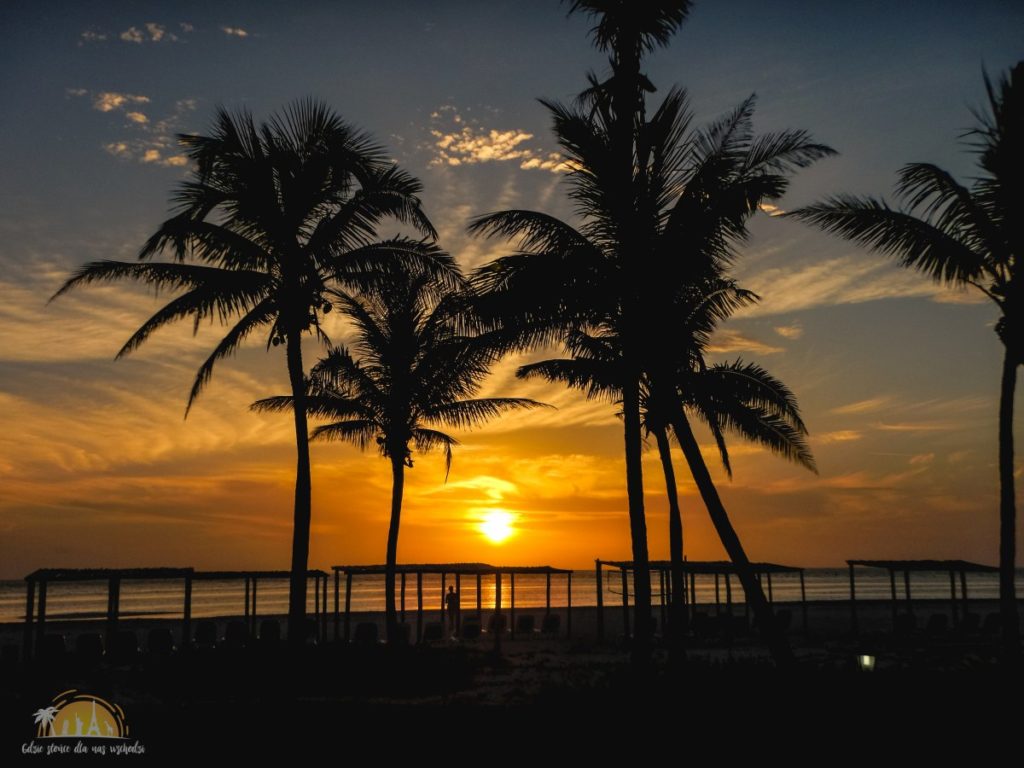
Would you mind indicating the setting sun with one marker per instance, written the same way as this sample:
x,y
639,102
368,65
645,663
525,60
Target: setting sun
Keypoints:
x,y
496,525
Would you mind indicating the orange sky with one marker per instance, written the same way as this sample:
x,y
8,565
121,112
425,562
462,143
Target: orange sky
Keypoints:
x,y
897,377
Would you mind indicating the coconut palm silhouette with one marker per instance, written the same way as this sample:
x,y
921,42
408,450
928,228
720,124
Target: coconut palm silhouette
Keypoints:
x,y
271,217
964,236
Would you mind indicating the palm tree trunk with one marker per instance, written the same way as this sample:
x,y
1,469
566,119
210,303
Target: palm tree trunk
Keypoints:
x,y
1007,513
677,609
777,642
390,566
641,647
303,494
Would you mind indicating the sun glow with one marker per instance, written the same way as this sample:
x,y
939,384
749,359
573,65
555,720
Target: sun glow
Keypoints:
x,y
496,525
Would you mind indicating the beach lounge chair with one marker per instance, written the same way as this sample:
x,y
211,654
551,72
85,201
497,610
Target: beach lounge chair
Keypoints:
x,y
471,628
124,647
433,632
552,624
89,648
497,622
160,641
366,635
236,635
993,625
270,632
206,634
526,624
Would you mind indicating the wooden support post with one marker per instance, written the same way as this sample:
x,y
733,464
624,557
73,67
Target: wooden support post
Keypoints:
x,y
803,600
963,590
41,617
625,604
771,598
337,605
419,606
248,616
497,612
600,601
512,605
403,597
113,606
853,604
568,609
30,598
728,595
952,598
458,604
892,587
348,606
661,584
444,616
186,622
323,612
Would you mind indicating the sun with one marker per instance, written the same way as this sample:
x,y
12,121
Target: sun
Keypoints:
x,y
496,525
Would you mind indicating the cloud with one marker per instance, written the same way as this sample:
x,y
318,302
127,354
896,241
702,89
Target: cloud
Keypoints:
x,y
90,36
771,210
234,31
108,101
151,32
794,331
152,143
186,27
863,406
839,436
922,458
727,341
465,142
843,280
133,35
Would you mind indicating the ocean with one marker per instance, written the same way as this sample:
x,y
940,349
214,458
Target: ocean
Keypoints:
x,y
156,599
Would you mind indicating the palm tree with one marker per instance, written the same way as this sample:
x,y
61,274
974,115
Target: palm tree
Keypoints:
x,y
692,195
964,236
271,216
44,717
738,397
409,370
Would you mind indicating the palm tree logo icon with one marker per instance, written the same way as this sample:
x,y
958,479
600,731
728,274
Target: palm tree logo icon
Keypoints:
x,y
80,715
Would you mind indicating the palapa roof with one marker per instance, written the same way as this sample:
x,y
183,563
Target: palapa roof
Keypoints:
x,y
925,565
705,566
211,575
100,574
452,568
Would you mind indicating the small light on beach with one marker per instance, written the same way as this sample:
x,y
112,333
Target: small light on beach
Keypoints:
x,y
866,662
496,525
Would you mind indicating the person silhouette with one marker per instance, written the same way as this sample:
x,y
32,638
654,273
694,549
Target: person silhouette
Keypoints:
x,y
451,606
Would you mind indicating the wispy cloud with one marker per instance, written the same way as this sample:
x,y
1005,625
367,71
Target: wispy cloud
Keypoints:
x,y
461,141
839,436
843,280
728,340
108,101
151,32
863,406
793,331
91,36
235,31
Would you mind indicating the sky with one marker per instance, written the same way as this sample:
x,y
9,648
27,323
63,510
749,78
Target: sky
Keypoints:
x,y
897,376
